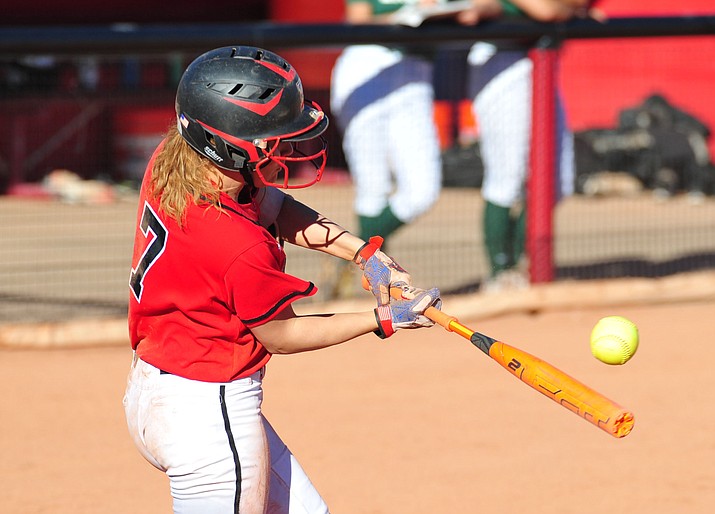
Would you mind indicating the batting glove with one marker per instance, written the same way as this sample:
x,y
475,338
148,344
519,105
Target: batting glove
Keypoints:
x,y
380,271
407,311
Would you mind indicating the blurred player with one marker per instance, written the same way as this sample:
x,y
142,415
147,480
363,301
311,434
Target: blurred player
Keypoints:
x,y
210,301
383,100
500,84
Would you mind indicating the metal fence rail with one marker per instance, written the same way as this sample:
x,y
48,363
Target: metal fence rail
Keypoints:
x,y
122,39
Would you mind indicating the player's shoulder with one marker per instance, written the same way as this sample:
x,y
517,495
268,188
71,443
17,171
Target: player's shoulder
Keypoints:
x,y
236,226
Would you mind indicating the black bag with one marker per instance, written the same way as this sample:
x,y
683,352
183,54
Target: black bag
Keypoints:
x,y
662,146
462,166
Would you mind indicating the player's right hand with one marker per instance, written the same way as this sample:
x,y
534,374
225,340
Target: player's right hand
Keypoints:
x,y
380,271
407,311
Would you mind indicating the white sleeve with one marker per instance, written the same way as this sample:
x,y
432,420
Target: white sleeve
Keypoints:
x,y
270,201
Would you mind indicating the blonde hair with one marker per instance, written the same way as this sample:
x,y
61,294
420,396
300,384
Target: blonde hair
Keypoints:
x,y
181,175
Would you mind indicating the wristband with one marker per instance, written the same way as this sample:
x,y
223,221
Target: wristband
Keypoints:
x,y
383,315
368,250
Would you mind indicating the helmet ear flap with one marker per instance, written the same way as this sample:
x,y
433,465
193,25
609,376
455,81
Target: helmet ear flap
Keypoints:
x,y
239,156
226,155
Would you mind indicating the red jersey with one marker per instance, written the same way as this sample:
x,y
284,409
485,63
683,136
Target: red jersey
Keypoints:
x,y
196,291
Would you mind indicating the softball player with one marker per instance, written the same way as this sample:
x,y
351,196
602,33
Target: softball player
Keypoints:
x,y
500,84
382,98
210,301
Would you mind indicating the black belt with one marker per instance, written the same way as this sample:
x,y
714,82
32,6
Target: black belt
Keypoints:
x,y
162,372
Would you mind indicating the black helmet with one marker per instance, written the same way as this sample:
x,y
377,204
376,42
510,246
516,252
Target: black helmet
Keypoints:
x,y
236,104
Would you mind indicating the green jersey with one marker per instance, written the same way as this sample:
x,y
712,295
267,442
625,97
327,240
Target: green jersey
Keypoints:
x,y
510,9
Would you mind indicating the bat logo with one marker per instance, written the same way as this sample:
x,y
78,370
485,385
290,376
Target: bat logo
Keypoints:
x,y
514,365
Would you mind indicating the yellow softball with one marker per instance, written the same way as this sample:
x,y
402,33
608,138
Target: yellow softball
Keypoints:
x,y
614,340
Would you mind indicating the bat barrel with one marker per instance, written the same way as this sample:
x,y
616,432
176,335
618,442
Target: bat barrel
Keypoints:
x,y
564,390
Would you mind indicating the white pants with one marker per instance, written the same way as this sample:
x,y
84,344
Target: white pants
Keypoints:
x,y
395,140
390,142
503,109
220,454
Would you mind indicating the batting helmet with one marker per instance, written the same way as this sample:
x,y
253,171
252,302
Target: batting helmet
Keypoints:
x,y
236,104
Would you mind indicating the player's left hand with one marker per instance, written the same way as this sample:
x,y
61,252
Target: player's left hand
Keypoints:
x,y
380,271
407,311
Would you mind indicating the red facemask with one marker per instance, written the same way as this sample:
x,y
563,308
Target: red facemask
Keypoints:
x,y
307,164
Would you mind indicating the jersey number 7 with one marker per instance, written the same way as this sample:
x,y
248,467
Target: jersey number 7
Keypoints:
x,y
150,222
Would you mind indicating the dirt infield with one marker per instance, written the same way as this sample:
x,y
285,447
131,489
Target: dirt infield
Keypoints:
x,y
423,423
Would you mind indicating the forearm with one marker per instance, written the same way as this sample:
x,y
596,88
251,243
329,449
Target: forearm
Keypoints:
x,y
313,332
302,226
481,10
358,13
487,8
551,10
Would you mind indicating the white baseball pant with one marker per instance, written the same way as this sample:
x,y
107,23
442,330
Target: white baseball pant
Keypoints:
x,y
220,454
503,109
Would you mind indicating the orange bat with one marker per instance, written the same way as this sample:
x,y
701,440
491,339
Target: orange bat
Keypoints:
x,y
545,378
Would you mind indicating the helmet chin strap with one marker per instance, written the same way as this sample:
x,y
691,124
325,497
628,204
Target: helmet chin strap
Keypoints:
x,y
248,191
